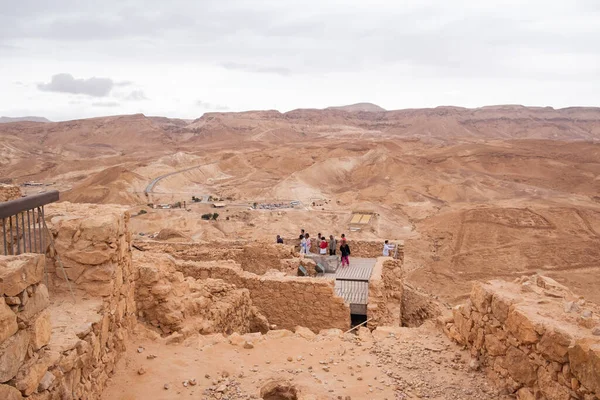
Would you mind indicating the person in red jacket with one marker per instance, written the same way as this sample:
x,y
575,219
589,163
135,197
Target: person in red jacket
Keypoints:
x,y
323,246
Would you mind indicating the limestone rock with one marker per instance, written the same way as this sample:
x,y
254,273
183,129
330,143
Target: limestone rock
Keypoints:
x,y
555,344
519,367
494,345
8,321
279,333
30,375
304,333
525,394
8,392
19,272
521,327
551,388
481,298
12,354
46,381
584,360
37,302
41,330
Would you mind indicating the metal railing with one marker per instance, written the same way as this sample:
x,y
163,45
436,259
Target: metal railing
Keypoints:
x,y
23,227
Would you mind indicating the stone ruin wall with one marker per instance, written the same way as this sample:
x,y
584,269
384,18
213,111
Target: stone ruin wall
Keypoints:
x,y
285,301
533,336
385,293
171,302
394,302
9,192
257,258
74,360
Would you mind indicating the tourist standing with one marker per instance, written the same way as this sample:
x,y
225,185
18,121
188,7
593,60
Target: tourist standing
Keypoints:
x,y
307,243
345,250
332,245
301,234
323,246
303,245
387,248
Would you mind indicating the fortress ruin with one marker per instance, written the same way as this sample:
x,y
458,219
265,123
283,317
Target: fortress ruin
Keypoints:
x,y
69,338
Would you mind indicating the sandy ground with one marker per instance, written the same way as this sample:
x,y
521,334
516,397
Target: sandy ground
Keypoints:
x,y
393,363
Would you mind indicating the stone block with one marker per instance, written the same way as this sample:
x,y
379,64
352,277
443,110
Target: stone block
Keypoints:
x,y
91,257
304,333
522,328
19,272
41,330
30,374
518,366
37,302
554,344
584,360
8,392
481,297
12,354
550,388
8,321
525,394
494,346
501,306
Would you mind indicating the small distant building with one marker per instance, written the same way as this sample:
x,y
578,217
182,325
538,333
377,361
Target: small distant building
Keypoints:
x,y
219,205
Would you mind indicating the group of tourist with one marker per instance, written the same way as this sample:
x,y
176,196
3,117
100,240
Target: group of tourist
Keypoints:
x,y
326,246
330,246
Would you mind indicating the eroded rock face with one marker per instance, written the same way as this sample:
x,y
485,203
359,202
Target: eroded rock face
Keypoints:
x,y
529,339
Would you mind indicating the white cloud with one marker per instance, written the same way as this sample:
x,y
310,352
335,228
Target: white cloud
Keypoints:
x,y
65,83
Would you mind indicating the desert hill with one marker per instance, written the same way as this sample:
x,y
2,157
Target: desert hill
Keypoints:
x,y
489,192
5,120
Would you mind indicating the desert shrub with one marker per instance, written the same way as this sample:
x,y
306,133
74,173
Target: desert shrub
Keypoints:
x,y
206,216
142,212
215,216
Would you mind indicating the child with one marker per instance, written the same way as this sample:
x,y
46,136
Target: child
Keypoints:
x,y
345,250
323,246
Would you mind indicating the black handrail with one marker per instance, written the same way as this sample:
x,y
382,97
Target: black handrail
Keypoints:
x,y
23,223
13,207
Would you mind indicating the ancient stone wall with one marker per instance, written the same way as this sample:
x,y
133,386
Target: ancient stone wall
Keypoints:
x,y
54,352
285,301
173,303
385,293
418,306
255,257
64,347
533,336
9,192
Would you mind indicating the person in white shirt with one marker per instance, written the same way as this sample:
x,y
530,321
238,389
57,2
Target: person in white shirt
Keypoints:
x,y
386,248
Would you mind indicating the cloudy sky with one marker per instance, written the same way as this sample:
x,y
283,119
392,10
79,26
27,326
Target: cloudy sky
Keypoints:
x,y
66,59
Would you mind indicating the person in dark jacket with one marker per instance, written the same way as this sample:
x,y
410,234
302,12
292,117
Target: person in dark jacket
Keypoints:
x,y
345,250
279,240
